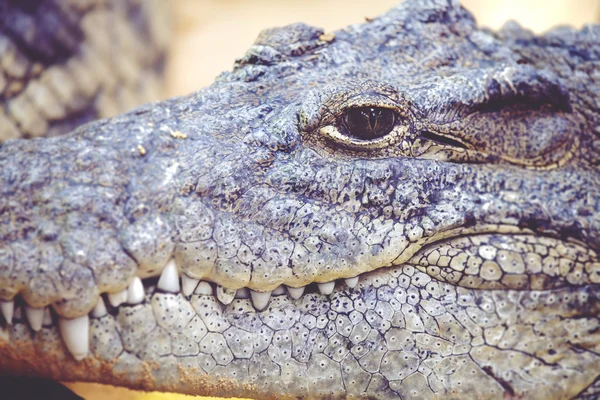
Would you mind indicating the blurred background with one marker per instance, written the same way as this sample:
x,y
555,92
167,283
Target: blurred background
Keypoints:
x,y
210,34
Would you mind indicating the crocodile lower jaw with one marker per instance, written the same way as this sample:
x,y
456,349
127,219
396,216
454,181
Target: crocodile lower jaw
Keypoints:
x,y
75,331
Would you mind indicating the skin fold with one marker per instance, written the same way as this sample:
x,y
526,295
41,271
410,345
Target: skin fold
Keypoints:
x,y
473,224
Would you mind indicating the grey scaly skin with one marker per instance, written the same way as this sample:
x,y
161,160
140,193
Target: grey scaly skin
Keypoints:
x,y
473,222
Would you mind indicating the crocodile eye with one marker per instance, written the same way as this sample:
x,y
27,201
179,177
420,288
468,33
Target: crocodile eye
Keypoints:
x,y
367,123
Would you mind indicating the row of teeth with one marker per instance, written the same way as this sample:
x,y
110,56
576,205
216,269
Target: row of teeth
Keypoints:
x,y
75,332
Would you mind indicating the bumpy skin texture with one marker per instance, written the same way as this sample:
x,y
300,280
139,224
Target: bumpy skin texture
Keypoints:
x,y
66,62
475,224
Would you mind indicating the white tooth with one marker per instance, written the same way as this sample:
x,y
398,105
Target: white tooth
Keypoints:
x,y
188,284
35,316
169,278
260,299
8,309
135,291
352,282
225,295
242,293
116,299
47,320
99,310
204,289
279,290
75,333
296,292
326,287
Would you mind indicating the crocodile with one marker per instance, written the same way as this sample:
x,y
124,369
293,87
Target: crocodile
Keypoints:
x,y
405,208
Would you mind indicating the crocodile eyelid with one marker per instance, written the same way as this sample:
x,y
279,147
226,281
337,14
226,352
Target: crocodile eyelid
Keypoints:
x,y
334,135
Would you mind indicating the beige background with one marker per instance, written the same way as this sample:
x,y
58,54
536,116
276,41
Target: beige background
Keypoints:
x,y
211,34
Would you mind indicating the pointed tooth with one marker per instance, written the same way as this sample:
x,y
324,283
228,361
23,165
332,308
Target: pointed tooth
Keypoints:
x,y
135,291
75,333
35,316
242,293
204,289
116,299
326,287
47,320
278,291
260,299
225,295
352,282
8,309
296,292
188,284
169,278
99,309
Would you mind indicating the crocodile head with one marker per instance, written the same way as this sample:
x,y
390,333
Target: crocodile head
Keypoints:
x,y
407,208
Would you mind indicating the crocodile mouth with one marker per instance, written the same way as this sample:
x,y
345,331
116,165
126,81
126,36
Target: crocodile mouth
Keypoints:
x,y
75,331
486,261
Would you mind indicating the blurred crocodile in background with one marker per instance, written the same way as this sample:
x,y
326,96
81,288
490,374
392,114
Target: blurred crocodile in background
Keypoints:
x,y
66,62
406,208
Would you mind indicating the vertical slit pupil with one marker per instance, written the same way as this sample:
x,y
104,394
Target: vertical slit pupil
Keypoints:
x,y
373,117
369,122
